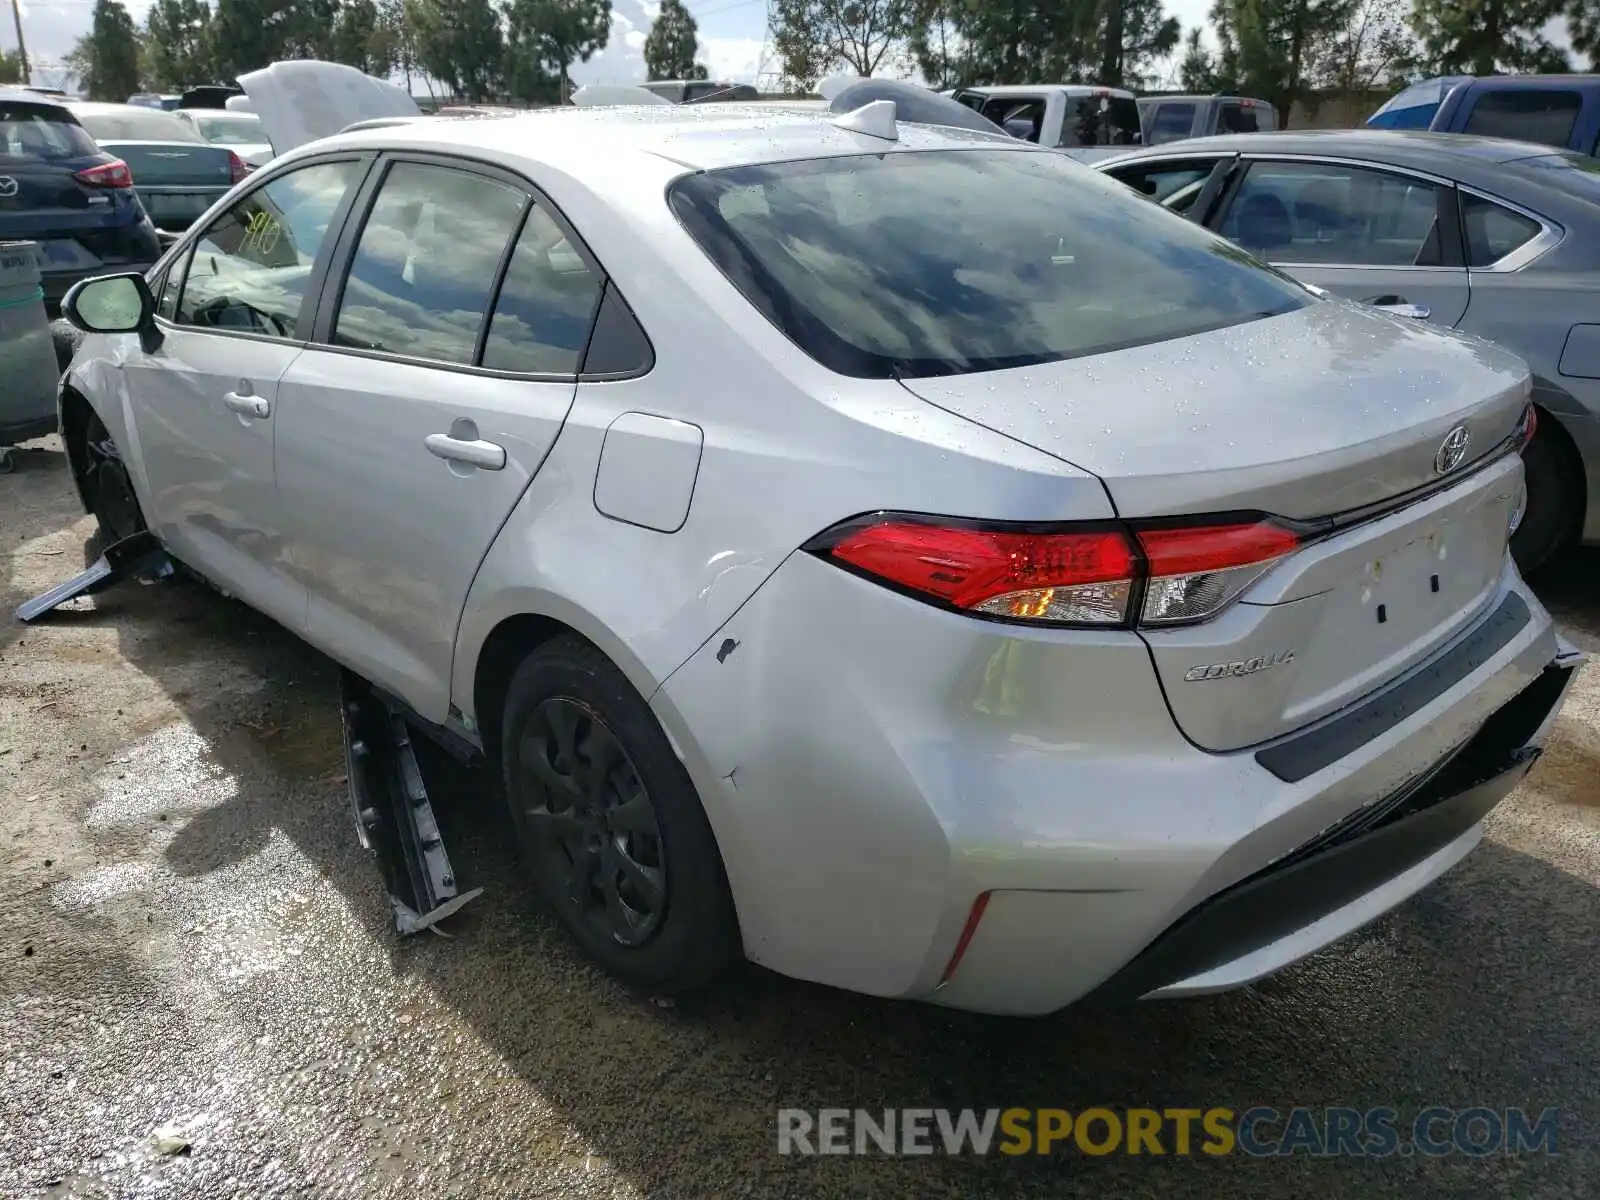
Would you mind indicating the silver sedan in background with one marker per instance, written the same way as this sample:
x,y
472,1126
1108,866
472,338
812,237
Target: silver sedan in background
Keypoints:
x,y
1493,237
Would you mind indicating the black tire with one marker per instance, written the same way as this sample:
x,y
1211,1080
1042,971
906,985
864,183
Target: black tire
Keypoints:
x,y
1555,482
575,807
106,484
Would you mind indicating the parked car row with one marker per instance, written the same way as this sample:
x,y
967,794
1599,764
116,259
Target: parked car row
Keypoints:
x,y
993,588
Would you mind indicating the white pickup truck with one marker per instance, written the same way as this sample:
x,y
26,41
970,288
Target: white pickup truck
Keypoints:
x,y
1085,121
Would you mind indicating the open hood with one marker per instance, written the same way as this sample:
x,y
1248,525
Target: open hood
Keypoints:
x,y
301,100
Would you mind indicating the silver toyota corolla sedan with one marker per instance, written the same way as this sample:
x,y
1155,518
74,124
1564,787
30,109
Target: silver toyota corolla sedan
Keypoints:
x,y
894,554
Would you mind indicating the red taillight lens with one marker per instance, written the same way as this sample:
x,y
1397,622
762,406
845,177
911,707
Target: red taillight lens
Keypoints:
x,y
237,167
1527,427
1065,577
1197,571
114,174
1086,576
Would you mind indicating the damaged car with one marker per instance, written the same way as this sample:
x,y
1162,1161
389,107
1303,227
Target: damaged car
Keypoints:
x,y
883,550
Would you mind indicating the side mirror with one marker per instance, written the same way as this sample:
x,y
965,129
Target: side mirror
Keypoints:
x,y
113,304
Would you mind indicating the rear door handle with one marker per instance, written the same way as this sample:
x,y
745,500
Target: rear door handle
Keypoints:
x,y
475,452
248,406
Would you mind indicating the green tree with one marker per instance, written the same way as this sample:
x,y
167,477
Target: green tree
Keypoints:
x,y
10,66
394,38
459,43
106,59
1583,21
178,41
670,49
937,46
814,38
1482,37
1134,35
554,34
1197,71
1269,48
1372,51
359,39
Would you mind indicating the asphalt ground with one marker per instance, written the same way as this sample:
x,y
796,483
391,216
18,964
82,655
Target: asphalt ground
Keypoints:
x,y
203,996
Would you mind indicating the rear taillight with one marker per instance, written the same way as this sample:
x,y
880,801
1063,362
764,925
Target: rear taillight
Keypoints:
x,y
1096,575
237,167
1527,427
114,174
1196,572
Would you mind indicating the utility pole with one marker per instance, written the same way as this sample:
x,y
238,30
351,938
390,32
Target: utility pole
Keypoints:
x,y
22,48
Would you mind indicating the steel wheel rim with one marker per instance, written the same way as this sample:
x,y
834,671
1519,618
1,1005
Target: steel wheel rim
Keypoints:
x,y
108,483
591,822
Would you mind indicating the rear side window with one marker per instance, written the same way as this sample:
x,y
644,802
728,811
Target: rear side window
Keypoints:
x,y
1334,215
42,133
249,269
941,263
1493,231
133,124
1526,114
1172,122
1100,121
546,304
424,269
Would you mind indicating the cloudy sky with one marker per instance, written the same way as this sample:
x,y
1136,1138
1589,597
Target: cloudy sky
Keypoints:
x,y
730,34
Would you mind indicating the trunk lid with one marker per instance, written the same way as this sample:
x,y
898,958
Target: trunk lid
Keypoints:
x,y
164,166
1319,412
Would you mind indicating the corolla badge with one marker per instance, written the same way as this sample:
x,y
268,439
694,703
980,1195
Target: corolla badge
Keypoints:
x,y
1452,451
8,187
1242,666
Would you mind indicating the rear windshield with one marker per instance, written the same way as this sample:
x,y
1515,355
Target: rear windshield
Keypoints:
x,y
135,124
1575,173
41,132
939,263
239,129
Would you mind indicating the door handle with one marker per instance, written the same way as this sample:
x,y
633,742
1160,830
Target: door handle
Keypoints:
x,y
1400,307
475,452
248,406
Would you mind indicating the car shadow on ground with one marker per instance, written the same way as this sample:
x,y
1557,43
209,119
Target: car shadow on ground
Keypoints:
x,y
1480,991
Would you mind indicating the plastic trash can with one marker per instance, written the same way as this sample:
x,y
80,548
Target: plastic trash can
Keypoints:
x,y
28,373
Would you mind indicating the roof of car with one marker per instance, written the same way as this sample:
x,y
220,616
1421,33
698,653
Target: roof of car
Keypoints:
x,y
699,137
15,95
1416,148
1033,89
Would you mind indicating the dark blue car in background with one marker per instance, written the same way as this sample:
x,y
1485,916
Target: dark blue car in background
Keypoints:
x,y
61,191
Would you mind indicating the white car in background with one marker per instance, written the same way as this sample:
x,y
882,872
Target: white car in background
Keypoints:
x,y
241,132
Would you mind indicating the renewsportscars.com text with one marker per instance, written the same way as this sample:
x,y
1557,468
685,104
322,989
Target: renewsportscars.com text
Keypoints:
x,y
1257,1132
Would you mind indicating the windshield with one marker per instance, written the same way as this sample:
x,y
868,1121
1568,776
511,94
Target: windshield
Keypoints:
x,y
135,124
1579,173
41,132
946,262
237,130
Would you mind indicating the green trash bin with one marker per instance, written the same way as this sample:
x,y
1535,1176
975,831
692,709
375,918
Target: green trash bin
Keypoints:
x,y
28,374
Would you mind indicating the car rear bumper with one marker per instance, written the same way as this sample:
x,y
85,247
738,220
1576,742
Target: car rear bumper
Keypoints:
x,y
872,767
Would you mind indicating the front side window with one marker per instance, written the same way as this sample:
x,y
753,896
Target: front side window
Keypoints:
x,y
249,270
945,262
1328,214
425,266
1172,123
1526,115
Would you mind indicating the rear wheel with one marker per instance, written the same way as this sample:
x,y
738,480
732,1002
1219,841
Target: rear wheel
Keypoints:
x,y
1554,514
611,825
107,485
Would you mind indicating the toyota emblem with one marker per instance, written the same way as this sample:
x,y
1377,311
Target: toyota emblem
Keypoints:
x,y
8,187
1452,451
